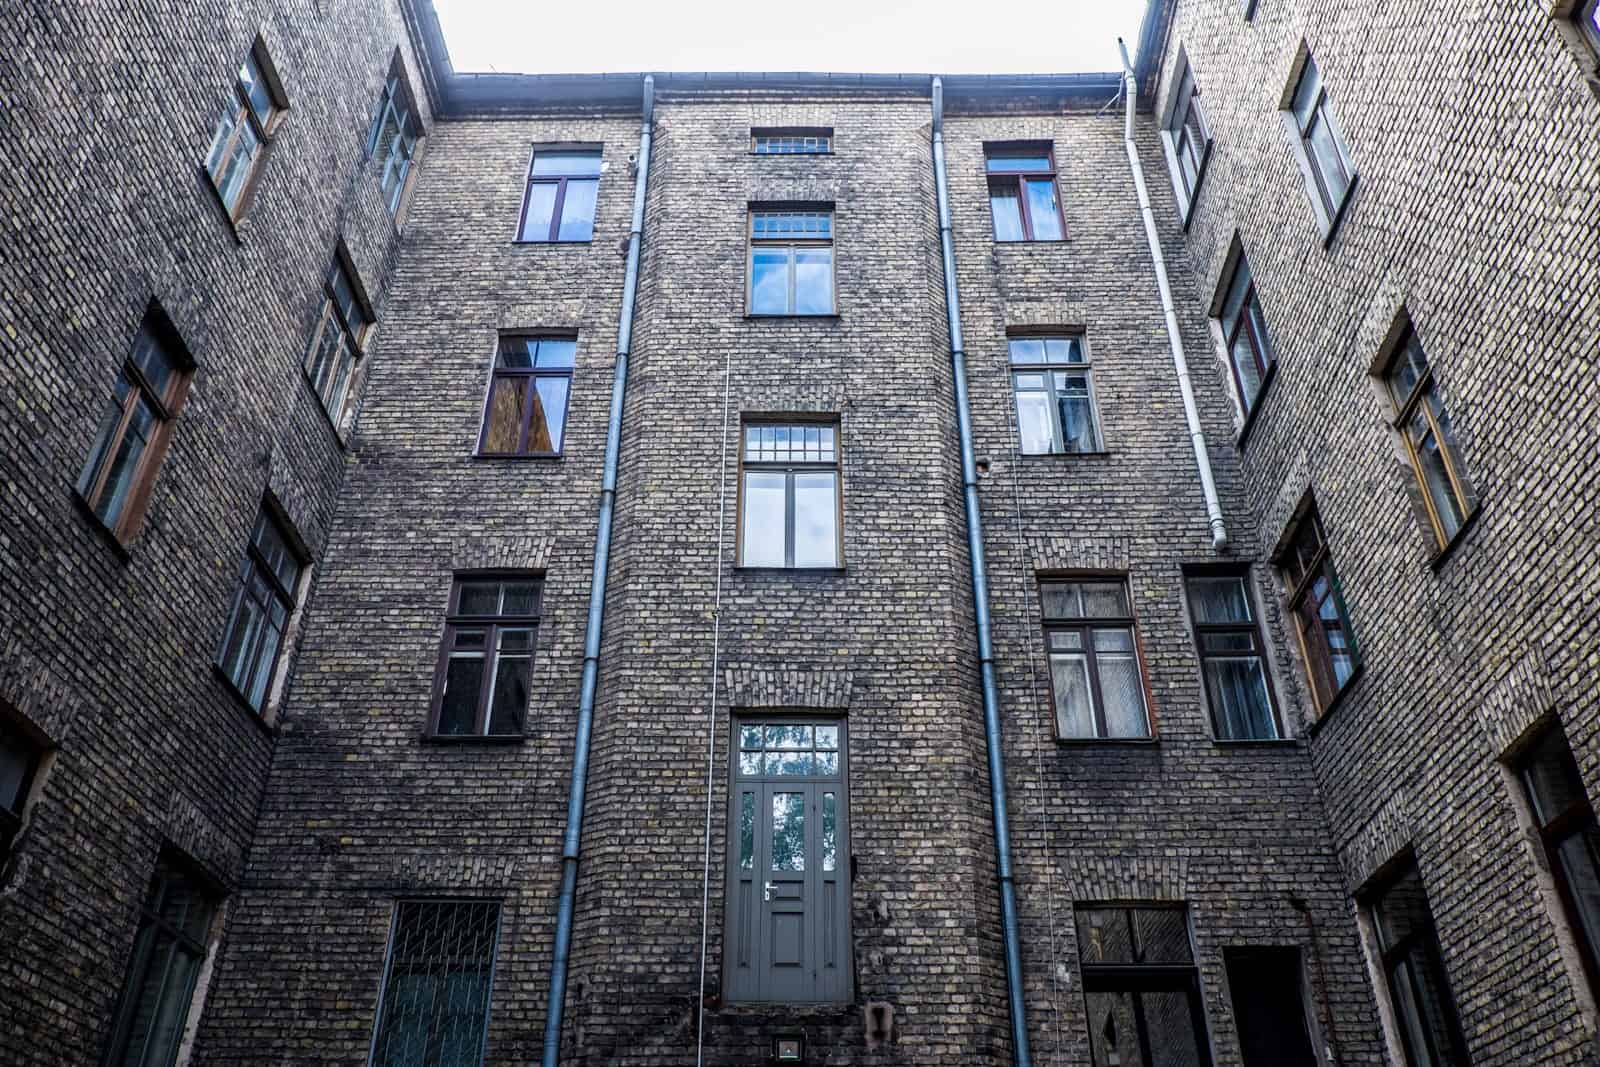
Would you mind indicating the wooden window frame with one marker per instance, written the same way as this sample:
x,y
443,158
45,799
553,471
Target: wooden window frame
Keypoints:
x,y
254,565
1389,956
1049,370
560,182
1266,358
812,140
1147,978
243,114
752,243
790,468
396,99
530,377
1299,586
1258,645
1086,626
491,625
1017,179
332,316
1405,408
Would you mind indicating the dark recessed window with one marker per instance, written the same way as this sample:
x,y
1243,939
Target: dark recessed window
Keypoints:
x,y
173,939
490,635
392,141
1424,424
335,349
249,114
1050,377
1327,643
791,262
526,413
1094,662
1244,331
1321,146
1588,19
1413,968
135,425
1566,821
796,141
563,184
1022,192
436,984
19,763
269,578
789,496
1140,987
1271,1010
1232,658
1188,137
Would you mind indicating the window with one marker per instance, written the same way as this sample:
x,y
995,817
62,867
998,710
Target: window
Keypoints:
x,y
135,425
434,1008
788,915
1413,968
1566,821
1141,987
174,930
335,348
527,409
1094,665
1270,1008
248,117
1424,425
1321,147
1188,139
393,138
489,637
563,184
798,141
1055,400
268,579
20,755
1232,658
1244,333
1588,20
789,482
1327,643
1022,192
791,262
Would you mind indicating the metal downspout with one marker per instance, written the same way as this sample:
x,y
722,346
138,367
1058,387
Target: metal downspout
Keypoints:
x,y
1202,459
597,602
980,599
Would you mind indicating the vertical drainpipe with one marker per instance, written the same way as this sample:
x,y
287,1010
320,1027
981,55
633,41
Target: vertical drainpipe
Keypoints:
x,y
597,602
980,601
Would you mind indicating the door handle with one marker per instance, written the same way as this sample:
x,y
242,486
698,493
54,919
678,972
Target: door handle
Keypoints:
x,y
766,891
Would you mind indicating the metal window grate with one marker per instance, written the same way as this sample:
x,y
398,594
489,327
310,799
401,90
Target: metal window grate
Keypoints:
x,y
797,225
435,1008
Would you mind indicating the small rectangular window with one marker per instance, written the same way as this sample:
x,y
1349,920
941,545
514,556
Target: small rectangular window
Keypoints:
x,y
1140,986
1423,424
1023,201
392,141
563,188
269,579
1095,672
1327,643
135,425
20,755
1244,334
1232,658
1321,147
789,496
436,984
335,352
1413,968
1188,138
486,665
795,141
1271,1010
791,262
1051,382
526,413
249,115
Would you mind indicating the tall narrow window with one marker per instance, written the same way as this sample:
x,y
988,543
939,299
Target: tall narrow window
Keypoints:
x,y
1321,147
174,931
1022,191
1270,1008
436,984
792,141
1188,138
1244,332
1413,968
335,350
487,661
1327,642
248,117
269,578
791,262
563,188
1141,987
1094,662
19,763
392,141
789,512
527,409
1050,377
135,425
1567,829
1422,422
1232,659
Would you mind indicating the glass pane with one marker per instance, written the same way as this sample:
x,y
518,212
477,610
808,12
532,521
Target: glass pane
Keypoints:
x,y
1262,340
1410,364
541,206
763,520
266,654
1113,1029
1006,207
813,281
479,598
1163,935
830,832
788,831
1069,678
769,281
517,353
583,162
577,211
516,641
750,763
1230,641
509,704
816,520
1219,599
1306,93
1122,690
1328,159
1077,415
1113,641
1579,860
154,361
749,737
463,684
1171,1029
827,737
1105,935
1065,640
110,419
827,763
521,598
470,640
1027,350
555,353
1551,777
269,540
1435,476
244,632
747,831
787,736
1106,600
16,760
1019,161
549,414
1064,349
1036,434
503,425
790,763
1335,634
1233,303
1243,355
234,151
255,89
162,1004
125,463
1042,209
1061,600
1239,703
1402,910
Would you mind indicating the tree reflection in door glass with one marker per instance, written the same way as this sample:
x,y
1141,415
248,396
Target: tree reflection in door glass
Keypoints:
x,y
788,832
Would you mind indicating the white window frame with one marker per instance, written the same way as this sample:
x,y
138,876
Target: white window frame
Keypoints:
x,y
1172,114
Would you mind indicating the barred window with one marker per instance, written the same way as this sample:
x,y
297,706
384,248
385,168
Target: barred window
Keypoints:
x,y
435,1004
798,141
249,115
335,349
1094,660
789,490
791,263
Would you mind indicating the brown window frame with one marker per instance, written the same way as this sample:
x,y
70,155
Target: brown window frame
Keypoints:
x,y
1251,324
789,468
1405,409
1018,179
530,377
241,114
255,568
354,336
560,182
812,140
1085,626
491,625
792,244
1300,576
1258,646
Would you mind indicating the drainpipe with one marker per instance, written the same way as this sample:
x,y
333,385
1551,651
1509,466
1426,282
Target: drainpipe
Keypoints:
x,y
980,601
597,602
1219,532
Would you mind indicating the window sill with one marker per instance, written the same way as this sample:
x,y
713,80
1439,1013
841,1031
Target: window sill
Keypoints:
x,y
1338,700
519,457
1097,454
1255,409
1035,241
777,572
473,739
258,719
1110,742
1442,555
109,535
824,315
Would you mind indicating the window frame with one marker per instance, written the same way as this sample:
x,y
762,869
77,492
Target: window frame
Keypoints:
x,y
1328,211
396,91
491,625
1145,977
1587,17
1390,956
1403,410
1175,132
560,182
1049,370
380,1012
262,129
821,134
260,567
752,243
1085,626
1018,179
353,343
1261,348
1259,647
790,468
531,376
21,737
1298,587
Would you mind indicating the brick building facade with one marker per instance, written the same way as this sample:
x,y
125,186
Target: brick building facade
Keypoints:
x,y
1210,868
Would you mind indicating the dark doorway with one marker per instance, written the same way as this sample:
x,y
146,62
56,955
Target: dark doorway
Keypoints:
x,y
1270,1006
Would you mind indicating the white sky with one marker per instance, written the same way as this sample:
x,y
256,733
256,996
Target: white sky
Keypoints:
x,y
838,36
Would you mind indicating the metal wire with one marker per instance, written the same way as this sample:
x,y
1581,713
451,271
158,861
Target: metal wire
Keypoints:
x,y
436,987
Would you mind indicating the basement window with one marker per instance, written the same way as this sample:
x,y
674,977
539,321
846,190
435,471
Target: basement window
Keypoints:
x,y
434,1007
1140,986
1023,201
1271,1006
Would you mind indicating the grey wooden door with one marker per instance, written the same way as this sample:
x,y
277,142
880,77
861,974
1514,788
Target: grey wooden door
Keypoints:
x,y
788,908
